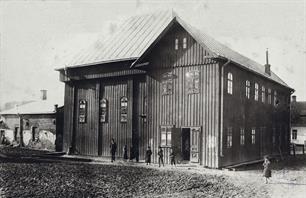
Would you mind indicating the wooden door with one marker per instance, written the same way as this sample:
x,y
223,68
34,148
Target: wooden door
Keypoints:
x,y
195,144
177,143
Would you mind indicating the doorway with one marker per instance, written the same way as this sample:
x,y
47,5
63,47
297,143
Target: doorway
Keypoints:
x,y
34,133
186,144
191,144
16,130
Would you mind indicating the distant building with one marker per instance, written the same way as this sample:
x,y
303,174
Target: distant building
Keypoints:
x,y
35,124
298,121
158,81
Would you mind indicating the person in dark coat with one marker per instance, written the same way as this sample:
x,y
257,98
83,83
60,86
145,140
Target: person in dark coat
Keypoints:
x,y
267,169
172,157
148,155
113,149
125,155
131,153
160,156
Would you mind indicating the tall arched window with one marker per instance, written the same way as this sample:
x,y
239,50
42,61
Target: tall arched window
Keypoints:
x,y
247,89
103,110
263,94
269,96
256,92
123,109
230,83
275,98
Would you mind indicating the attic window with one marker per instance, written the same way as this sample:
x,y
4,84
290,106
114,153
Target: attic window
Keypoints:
x,y
184,43
176,44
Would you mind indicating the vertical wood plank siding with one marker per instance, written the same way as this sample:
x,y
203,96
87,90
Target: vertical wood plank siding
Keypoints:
x,y
181,109
86,134
68,116
113,91
248,113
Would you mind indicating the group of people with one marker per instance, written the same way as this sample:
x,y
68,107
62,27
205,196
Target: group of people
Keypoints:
x,y
134,154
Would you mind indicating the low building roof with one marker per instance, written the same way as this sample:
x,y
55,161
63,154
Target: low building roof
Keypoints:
x,y
139,33
299,108
35,107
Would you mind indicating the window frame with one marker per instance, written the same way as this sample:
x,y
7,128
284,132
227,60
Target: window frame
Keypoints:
x,y
294,134
82,111
184,42
167,132
176,43
104,110
275,98
230,83
124,109
247,89
193,82
242,136
167,83
269,96
256,89
263,94
253,135
229,137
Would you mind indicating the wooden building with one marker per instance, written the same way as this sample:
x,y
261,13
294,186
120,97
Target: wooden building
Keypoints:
x,y
298,122
158,81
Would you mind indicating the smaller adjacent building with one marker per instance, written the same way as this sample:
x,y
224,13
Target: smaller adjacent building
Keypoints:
x,y
298,122
37,124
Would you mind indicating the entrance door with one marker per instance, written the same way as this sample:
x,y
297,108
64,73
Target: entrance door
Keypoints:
x,y
186,144
195,144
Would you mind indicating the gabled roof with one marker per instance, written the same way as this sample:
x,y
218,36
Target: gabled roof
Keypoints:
x,y
36,107
129,42
139,34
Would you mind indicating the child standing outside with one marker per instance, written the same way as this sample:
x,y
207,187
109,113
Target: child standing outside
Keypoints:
x,y
148,155
172,157
125,155
267,169
160,156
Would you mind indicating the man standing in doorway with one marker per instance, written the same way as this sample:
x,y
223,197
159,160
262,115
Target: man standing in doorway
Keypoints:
x,y
113,149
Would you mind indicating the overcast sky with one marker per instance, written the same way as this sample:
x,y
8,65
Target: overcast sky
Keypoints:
x,y
37,36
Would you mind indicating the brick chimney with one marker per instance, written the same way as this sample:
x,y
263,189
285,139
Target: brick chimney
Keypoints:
x,y
267,65
55,107
293,99
43,94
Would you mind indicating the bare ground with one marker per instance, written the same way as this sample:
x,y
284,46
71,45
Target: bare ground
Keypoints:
x,y
67,179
